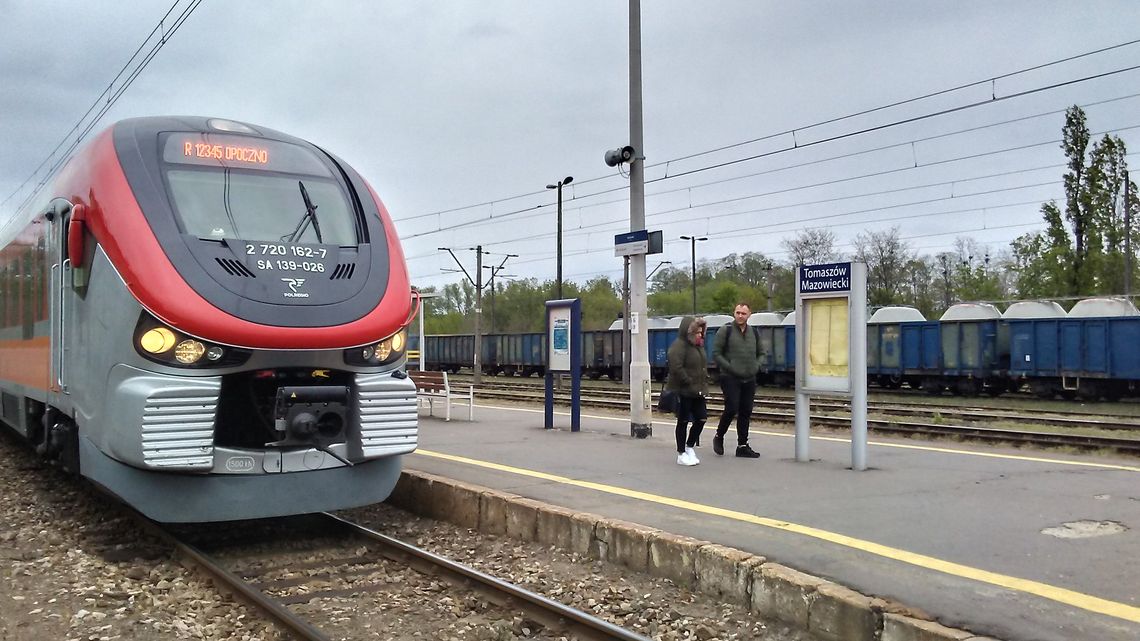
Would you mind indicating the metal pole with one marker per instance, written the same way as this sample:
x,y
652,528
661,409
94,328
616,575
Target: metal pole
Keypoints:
x,y
492,300
423,345
559,240
1127,240
478,313
625,353
770,289
693,257
857,343
640,405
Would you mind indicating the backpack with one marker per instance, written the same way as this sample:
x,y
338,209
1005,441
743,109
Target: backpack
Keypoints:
x,y
755,332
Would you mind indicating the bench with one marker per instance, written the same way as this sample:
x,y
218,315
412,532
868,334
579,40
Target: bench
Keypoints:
x,y
434,386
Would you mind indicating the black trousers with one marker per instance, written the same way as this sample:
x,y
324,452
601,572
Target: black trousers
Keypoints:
x,y
739,395
690,408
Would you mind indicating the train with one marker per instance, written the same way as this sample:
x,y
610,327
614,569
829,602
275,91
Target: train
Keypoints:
x,y
208,319
1090,352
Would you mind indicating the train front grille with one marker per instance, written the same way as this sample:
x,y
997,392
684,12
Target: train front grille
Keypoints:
x,y
178,429
388,416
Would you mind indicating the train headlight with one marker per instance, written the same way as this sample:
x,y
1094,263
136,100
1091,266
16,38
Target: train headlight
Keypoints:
x,y
166,345
158,340
383,350
189,351
386,351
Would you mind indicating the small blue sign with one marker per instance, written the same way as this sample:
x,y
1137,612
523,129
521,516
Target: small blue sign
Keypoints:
x,y
562,336
832,277
640,235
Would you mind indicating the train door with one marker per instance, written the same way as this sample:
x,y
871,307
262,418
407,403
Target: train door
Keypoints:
x,y
60,276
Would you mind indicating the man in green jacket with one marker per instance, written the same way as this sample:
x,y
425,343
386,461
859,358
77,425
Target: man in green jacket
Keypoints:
x,y
737,353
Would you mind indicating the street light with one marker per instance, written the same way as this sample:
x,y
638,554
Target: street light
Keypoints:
x,y
693,252
565,181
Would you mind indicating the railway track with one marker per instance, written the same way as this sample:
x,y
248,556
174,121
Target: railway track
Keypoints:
x,y
1028,416
971,422
281,576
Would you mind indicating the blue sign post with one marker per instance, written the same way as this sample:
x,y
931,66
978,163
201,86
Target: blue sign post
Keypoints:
x,y
564,354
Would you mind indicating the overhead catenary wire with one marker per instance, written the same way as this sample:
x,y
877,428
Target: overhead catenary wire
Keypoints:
x,y
786,190
797,147
86,122
828,121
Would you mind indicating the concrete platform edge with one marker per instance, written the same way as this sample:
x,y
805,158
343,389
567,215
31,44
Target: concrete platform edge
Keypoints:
x,y
828,610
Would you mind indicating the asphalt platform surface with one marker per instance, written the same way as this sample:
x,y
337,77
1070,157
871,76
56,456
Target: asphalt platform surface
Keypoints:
x,y
974,536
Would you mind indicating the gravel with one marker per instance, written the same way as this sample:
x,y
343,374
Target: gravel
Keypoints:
x,y
74,566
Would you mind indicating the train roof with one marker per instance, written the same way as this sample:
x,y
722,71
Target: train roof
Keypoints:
x,y
896,314
716,320
1034,309
971,311
790,319
1098,307
765,318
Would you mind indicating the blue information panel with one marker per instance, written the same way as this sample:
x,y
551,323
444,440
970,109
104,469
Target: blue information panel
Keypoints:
x,y
561,337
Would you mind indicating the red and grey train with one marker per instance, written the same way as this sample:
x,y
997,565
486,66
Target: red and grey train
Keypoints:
x,y
208,318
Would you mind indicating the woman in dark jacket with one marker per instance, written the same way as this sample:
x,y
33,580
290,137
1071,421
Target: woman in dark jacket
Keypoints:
x,y
688,377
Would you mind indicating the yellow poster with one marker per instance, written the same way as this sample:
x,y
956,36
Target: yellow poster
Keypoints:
x,y
827,337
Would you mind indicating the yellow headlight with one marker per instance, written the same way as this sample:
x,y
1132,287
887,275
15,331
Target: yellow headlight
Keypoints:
x,y
383,349
399,340
157,340
189,351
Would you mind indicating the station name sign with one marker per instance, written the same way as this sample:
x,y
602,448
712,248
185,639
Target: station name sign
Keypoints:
x,y
638,242
834,277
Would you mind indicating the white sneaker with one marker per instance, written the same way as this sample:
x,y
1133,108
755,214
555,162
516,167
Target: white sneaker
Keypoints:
x,y
692,454
683,459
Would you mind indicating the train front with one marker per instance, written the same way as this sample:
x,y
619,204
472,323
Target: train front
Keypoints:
x,y
260,367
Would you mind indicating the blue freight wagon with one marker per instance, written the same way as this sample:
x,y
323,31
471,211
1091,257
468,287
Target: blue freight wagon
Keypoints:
x,y
1089,353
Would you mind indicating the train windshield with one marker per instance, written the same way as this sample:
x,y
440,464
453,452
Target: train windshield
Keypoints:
x,y
268,191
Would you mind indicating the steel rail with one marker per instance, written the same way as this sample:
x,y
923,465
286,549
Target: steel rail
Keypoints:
x,y
227,580
547,611
1025,415
994,435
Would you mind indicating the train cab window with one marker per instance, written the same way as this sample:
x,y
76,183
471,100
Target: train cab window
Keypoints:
x,y
227,187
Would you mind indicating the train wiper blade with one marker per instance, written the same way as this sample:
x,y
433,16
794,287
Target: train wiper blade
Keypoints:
x,y
310,215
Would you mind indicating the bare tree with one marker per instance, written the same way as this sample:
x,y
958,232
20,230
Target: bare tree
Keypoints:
x,y
887,258
811,247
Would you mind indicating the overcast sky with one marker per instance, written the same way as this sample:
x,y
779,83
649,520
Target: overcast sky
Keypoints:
x,y
459,113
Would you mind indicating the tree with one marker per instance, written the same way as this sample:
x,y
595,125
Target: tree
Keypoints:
x,y
1089,256
887,257
811,247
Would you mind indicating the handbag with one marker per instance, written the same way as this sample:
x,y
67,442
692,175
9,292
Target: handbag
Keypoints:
x,y
667,401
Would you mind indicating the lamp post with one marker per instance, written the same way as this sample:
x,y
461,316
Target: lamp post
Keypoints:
x,y
693,253
565,181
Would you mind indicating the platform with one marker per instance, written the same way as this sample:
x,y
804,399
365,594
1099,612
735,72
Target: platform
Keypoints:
x,y
953,529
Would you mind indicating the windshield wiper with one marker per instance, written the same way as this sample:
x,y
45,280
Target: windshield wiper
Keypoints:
x,y
309,216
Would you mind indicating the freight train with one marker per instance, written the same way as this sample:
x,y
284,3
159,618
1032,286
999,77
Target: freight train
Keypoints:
x,y
208,319
1090,352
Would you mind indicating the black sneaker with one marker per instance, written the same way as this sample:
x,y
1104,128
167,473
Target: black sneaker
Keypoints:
x,y
718,445
743,451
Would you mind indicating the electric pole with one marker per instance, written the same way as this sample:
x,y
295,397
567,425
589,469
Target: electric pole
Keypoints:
x,y
477,282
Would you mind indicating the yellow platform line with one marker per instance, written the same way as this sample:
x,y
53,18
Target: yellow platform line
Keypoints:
x,y
901,446
1044,590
